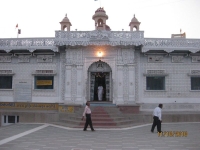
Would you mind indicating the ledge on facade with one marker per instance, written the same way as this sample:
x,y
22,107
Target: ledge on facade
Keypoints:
x,y
193,75
127,105
153,75
129,108
74,105
155,90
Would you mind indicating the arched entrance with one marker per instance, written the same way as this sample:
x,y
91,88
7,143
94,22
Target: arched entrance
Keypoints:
x,y
100,74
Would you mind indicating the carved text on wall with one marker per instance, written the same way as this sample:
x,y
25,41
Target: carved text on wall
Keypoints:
x,y
6,72
154,59
5,58
155,72
44,58
177,59
23,58
195,72
196,59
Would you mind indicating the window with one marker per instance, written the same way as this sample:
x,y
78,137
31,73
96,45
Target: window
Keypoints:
x,y
5,82
155,83
195,83
44,82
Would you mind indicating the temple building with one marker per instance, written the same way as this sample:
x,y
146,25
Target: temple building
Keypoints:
x,y
132,69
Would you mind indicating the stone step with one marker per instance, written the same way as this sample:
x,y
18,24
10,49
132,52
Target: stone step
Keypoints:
x,y
103,117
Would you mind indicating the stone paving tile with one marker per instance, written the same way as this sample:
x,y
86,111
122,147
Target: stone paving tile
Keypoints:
x,y
8,131
53,138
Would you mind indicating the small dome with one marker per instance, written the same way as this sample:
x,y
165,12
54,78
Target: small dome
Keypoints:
x,y
134,19
65,19
100,12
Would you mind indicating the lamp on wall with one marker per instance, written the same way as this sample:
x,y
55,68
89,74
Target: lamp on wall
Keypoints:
x,y
100,54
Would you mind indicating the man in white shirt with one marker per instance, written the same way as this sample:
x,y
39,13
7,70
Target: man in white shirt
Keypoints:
x,y
157,118
100,92
87,113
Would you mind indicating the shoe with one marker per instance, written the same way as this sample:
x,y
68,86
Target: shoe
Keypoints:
x,y
93,130
151,131
84,130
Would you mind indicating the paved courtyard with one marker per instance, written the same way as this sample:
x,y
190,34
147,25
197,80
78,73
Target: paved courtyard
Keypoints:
x,y
52,137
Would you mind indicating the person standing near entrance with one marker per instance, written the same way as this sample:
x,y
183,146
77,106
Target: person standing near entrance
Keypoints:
x,y
100,92
87,113
157,118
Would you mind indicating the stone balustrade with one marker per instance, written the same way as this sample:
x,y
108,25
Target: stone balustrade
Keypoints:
x,y
171,44
112,38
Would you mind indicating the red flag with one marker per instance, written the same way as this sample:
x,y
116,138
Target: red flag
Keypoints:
x,y
16,25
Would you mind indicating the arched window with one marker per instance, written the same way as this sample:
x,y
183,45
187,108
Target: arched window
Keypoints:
x,y
100,23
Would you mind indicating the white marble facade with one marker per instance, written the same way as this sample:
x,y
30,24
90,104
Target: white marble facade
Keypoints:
x,y
127,57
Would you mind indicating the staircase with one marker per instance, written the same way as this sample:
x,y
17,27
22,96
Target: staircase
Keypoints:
x,y
102,117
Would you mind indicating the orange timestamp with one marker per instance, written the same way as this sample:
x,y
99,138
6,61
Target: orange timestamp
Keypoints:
x,y
173,134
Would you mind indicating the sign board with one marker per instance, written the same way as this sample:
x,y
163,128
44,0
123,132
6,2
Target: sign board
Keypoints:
x,y
43,82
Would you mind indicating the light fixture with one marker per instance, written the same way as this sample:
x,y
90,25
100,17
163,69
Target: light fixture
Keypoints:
x,y
100,54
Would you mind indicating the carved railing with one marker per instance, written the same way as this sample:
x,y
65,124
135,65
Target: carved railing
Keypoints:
x,y
30,44
171,44
112,38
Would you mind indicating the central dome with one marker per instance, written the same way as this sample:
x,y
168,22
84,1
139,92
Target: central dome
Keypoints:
x,y
100,12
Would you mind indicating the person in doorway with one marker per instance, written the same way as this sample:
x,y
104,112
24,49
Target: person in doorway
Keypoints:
x,y
157,118
100,92
87,113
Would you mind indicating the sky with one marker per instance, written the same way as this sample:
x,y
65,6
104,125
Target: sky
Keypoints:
x,y
159,18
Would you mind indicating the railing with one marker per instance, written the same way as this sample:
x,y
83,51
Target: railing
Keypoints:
x,y
26,42
112,35
112,38
171,42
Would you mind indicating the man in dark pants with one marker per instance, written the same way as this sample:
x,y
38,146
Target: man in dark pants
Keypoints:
x,y
157,114
87,113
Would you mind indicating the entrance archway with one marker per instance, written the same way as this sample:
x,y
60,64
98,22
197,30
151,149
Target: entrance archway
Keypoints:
x,y
100,74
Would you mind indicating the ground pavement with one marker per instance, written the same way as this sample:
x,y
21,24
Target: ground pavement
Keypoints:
x,y
52,137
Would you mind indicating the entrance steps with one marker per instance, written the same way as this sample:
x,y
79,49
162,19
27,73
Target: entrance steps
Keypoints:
x,y
102,117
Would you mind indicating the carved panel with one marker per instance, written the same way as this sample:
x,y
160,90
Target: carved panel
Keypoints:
x,y
137,61
177,59
169,45
5,59
195,72
196,59
85,38
74,83
6,72
155,72
74,56
23,59
62,75
125,56
125,84
44,58
155,59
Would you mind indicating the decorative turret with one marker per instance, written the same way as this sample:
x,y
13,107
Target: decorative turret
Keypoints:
x,y
100,18
134,24
65,23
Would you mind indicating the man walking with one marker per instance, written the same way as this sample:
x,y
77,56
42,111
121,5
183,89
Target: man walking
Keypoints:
x,y
87,113
157,114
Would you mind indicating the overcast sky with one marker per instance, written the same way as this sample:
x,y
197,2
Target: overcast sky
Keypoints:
x,y
159,18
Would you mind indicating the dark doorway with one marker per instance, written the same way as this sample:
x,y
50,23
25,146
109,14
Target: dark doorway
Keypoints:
x,y
99,80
